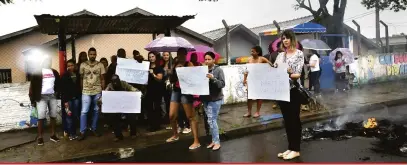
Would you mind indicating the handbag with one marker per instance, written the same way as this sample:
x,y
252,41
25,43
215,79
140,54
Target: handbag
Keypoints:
x,y
303,94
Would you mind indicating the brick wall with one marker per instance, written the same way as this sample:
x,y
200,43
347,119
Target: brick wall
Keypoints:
x,y
12,114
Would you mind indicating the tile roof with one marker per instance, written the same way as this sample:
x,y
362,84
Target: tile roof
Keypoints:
x,y
283,25
219,33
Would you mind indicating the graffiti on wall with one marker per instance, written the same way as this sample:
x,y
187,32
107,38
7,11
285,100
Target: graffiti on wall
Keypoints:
x,y
383,67
234,91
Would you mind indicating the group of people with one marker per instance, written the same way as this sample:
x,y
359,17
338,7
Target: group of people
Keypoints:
x,y
80,90
82,84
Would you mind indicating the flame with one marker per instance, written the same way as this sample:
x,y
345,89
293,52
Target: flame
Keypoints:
x,y
371,123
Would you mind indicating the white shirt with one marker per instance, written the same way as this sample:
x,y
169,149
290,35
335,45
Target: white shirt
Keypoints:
x,y
314,60
48,81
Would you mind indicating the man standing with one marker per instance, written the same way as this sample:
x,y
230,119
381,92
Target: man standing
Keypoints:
x,y
92,74
43,93
118,85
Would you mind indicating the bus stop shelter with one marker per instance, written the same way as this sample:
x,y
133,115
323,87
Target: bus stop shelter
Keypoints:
x,y
91,24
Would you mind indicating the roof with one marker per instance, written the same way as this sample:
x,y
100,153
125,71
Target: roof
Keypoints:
x,y
91,24
138,11
134,12
393,40
218,34
283,25
34,28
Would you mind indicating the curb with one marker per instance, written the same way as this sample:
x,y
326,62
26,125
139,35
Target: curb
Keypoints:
x,y
256,128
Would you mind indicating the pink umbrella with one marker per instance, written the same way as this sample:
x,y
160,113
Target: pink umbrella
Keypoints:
x,y
200,51
276,43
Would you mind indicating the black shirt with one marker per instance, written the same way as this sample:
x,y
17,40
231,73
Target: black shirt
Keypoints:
x,y
154,86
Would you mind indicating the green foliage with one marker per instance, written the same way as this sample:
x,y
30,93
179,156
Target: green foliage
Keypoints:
x,y
395,5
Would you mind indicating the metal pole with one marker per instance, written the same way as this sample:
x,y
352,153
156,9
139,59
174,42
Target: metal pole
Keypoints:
x,y
227,41
386,28
62,50
73,48
406,43
377,23
359,34
167,33
277,26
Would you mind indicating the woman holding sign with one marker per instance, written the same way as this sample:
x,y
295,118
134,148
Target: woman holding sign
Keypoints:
x,y
257,57
214,100
294,58
186,100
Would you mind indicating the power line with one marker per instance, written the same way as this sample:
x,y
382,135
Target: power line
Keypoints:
x,y
360,15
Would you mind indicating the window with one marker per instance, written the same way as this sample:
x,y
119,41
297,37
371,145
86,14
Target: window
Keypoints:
x,y
5,76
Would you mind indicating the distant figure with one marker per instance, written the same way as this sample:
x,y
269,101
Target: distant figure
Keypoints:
x,y
104,62
340,72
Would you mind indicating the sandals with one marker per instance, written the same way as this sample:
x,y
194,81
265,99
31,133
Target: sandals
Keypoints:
x,y
194,147
256,115
291,155
215,148
172,139
288,155
281,155
210,146
247,115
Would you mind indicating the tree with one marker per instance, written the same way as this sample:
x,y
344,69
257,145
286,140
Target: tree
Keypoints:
x,y
6,1
333,22
395,5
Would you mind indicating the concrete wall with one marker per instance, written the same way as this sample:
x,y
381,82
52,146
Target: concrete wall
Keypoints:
x,y
381,68
13,116
239,45
11,56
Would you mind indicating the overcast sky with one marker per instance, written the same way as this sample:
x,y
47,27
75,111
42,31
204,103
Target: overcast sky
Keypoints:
x,y
251,13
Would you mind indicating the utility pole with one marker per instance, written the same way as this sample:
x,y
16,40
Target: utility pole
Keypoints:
x,y
359,35
387,36
227,41
377,23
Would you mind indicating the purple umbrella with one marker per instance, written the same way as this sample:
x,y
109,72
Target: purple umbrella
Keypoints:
x,y
169,44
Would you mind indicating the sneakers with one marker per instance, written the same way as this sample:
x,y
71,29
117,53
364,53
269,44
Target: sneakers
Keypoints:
x,y
40,141
54,138
186,131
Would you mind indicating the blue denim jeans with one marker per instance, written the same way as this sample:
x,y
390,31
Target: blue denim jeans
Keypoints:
x,y
70,121
87,101
212,111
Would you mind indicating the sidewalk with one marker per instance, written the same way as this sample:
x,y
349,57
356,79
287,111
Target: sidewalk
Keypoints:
x,y
231,123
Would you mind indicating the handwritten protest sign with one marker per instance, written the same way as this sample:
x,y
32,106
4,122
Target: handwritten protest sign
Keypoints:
x,y
121,102
268,83
193,80
131,71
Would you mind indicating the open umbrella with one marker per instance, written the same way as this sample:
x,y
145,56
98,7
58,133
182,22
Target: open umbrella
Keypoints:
x,y
169,44
200,51
314,44
276,44
347,55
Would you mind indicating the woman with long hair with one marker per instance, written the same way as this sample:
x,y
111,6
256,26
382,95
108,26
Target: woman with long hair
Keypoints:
x,y
340,72
154,91
178,98
294,58
214,100
83,56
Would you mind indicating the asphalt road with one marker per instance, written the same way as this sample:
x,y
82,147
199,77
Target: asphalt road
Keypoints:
x,y
265,146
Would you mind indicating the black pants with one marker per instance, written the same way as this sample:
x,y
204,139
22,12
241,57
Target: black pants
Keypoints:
x,y
118,123
183,121
314,81
167,100
340,81
153,103
292,122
